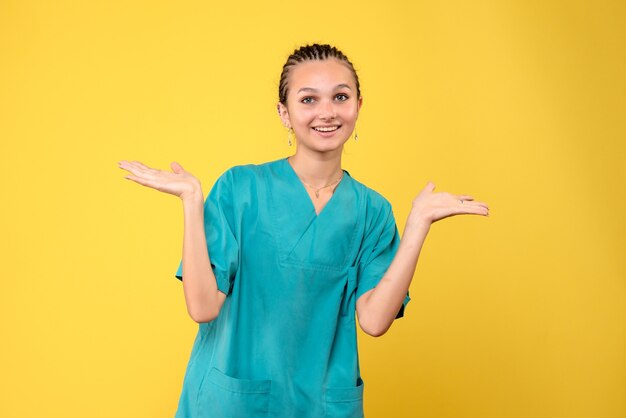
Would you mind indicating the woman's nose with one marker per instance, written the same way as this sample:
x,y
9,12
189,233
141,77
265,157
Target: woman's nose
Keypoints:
x,y
327,110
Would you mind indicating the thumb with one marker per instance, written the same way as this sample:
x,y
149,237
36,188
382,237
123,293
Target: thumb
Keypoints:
x,y
430,186
177,168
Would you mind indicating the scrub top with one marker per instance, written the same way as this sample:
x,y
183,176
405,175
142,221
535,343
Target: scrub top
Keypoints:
x,y
285,342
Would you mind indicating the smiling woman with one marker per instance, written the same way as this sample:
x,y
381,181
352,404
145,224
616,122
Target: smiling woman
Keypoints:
x,y
319,98
322,105
282,257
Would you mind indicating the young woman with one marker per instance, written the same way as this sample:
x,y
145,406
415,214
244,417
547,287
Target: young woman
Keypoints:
x,y
280,256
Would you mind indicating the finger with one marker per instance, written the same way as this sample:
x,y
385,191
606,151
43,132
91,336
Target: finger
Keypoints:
x,y
146,177
476,203
134,166
469,203
137,166
140,164
131,168
473,210
138,171
137,179
145,167
177,168
430,186
144,182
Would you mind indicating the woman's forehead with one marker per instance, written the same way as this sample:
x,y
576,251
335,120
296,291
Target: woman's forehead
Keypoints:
x,y
320,74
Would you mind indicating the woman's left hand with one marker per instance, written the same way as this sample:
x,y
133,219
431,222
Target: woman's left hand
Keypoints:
x,y
430,207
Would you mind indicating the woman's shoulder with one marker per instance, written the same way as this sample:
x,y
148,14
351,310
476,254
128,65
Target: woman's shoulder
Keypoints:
x,y
376,211
254,169
244,173
373,199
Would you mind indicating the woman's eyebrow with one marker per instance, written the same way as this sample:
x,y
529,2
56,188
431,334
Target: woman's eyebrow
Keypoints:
x,y
340,86
337,87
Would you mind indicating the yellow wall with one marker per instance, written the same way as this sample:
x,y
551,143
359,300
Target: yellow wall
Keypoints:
x,y
519,103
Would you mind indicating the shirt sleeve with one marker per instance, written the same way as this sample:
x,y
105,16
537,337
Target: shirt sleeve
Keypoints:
x,y
219,229
379,248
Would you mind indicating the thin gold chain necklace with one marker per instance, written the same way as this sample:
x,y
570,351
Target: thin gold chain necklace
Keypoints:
x,y
317,189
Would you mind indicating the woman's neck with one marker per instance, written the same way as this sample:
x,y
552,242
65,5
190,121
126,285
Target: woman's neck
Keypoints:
x,y
316,170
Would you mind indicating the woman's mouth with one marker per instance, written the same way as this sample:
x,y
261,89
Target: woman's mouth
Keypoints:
x,y
326,129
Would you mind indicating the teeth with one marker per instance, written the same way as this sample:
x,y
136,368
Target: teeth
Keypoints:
x,y
326,128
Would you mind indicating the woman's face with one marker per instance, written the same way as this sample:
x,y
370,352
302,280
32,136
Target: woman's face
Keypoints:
x,y
322,105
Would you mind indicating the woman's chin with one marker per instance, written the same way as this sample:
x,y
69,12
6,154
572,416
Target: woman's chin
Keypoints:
x,y
325,146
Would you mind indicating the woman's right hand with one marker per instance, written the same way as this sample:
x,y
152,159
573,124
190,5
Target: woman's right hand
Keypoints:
x,y
179,183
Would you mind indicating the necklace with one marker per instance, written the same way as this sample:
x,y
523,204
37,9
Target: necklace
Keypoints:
x,y
317,189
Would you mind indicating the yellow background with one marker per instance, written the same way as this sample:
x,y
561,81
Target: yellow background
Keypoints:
x,y
519,103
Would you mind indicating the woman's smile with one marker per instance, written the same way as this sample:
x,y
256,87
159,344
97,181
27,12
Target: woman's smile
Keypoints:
x,y
326,131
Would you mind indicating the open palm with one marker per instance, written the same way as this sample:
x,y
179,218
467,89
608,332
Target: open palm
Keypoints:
x,y
436,206
178,182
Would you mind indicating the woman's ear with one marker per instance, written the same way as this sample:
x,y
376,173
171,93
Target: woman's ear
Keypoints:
x,y
284,115
359,104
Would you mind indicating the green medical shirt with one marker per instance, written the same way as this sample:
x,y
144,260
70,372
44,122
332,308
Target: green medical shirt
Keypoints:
x,y
285,341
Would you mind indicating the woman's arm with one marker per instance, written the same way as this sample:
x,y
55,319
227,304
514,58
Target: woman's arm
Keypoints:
x,y
378,307
203,299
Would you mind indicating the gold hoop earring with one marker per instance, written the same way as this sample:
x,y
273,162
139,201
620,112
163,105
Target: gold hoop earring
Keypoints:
x,y
290,136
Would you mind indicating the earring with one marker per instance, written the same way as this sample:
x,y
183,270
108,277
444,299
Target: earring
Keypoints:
x,y
289,136
356,135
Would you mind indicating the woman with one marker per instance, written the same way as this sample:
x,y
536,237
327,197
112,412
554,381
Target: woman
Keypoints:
x,y
280,256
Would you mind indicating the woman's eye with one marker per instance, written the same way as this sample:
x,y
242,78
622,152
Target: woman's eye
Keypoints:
x,y
342,97
307,100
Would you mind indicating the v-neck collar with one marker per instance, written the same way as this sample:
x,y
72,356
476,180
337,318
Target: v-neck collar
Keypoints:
x,y
303,238
303,191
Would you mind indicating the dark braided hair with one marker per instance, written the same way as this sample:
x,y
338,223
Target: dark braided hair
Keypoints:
x,y
311,53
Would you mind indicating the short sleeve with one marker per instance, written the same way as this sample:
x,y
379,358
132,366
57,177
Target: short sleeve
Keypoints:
x,y
378,250
222,245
